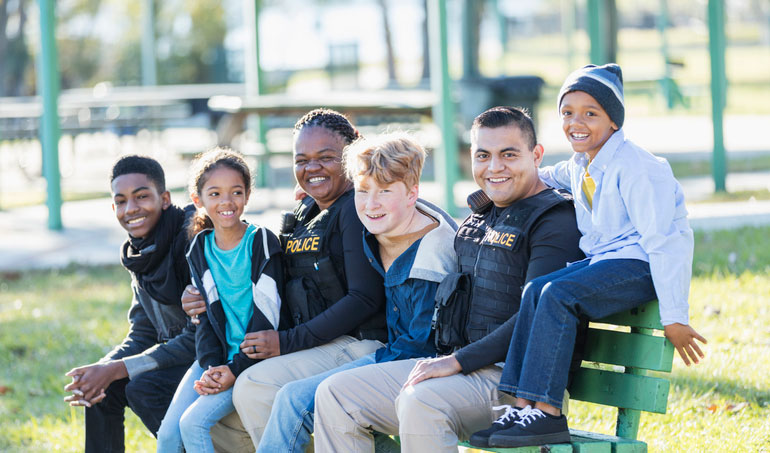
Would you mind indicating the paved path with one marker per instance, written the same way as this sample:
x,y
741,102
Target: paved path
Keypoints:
x,y
93,236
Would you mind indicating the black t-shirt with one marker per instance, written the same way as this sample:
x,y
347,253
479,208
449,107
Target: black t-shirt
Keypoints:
x,y
366,291
552,242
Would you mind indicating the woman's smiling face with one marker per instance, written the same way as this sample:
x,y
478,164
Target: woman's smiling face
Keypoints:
x,y
318,164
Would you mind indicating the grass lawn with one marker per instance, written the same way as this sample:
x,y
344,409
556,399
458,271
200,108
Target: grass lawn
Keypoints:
x,y
54,320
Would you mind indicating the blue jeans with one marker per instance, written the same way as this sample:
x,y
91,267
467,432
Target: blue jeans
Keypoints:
x,y
291,420
148,395
190,417
543,340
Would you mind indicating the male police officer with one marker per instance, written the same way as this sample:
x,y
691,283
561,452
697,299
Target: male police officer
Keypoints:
x,y
520,229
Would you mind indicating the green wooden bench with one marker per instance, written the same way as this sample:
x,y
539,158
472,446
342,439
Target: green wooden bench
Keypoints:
x,y
631,390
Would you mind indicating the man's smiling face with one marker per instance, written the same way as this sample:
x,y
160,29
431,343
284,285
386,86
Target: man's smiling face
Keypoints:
x,y
503,164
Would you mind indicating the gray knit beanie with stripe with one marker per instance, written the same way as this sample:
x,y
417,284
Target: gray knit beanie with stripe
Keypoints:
x,y
604,83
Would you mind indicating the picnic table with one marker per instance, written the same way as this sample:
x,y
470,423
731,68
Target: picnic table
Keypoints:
x,y
104,106
352,103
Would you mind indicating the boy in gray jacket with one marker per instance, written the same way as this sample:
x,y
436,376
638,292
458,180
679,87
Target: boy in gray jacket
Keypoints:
x,y
144,370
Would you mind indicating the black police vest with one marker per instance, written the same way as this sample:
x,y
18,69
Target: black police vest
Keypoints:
x,y
495,255
315,282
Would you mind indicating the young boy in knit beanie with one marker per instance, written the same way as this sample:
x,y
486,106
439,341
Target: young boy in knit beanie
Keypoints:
x,y
638,243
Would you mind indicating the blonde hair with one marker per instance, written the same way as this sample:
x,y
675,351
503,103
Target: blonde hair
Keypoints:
x,y
387,158
202,167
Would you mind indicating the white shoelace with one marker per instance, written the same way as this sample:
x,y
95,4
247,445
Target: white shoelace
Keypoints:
x,y
510,413
529,415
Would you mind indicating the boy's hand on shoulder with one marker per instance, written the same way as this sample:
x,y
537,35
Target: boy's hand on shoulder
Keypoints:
x,y
433,368
299,194
90,382
193,303
261,345
683,338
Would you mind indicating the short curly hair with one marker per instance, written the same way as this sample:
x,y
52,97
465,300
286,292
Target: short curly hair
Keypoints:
x,y
143,165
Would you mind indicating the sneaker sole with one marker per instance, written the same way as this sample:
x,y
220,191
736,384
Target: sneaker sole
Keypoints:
x,y
496,440
479,441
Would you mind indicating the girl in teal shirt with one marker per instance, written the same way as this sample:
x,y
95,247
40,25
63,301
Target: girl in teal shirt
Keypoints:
x,y
221,249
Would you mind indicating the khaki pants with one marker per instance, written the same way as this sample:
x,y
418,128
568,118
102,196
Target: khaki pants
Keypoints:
x,y
256,387
229,436
429,417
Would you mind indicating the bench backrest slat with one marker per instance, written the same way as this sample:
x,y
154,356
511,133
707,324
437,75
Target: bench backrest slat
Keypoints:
x,y
629,391
628,349
646,316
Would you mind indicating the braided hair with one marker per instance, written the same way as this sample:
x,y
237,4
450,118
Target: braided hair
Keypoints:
x,y
331,120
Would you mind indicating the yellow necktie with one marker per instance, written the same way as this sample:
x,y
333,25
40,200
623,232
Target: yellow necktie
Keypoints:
x,y
589,187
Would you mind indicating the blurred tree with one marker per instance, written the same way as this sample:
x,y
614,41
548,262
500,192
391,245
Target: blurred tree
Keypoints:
x,y
79,60
83,55
190,37
390,54
15,70
123,66
78,42
193,32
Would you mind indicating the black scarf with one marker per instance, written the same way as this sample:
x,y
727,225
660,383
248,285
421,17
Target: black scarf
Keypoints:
x,y
164,279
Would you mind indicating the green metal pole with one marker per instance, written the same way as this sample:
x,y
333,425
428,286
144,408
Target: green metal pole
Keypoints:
x,y
447,171
255,87
596,32
470,40
611,30
628,419
716,9
48,81
602,30
149,69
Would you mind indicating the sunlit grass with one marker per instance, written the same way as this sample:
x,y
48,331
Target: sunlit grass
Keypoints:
x,y
684,168
740,195
722,404
51,321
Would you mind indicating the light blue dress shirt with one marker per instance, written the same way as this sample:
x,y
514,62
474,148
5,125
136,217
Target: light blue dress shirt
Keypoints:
x,y
638,213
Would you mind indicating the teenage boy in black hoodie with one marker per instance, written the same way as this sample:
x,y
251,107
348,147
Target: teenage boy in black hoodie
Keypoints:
x,y
144,370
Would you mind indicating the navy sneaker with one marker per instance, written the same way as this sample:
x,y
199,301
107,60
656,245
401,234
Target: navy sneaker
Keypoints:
x,y
511,414
533,427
